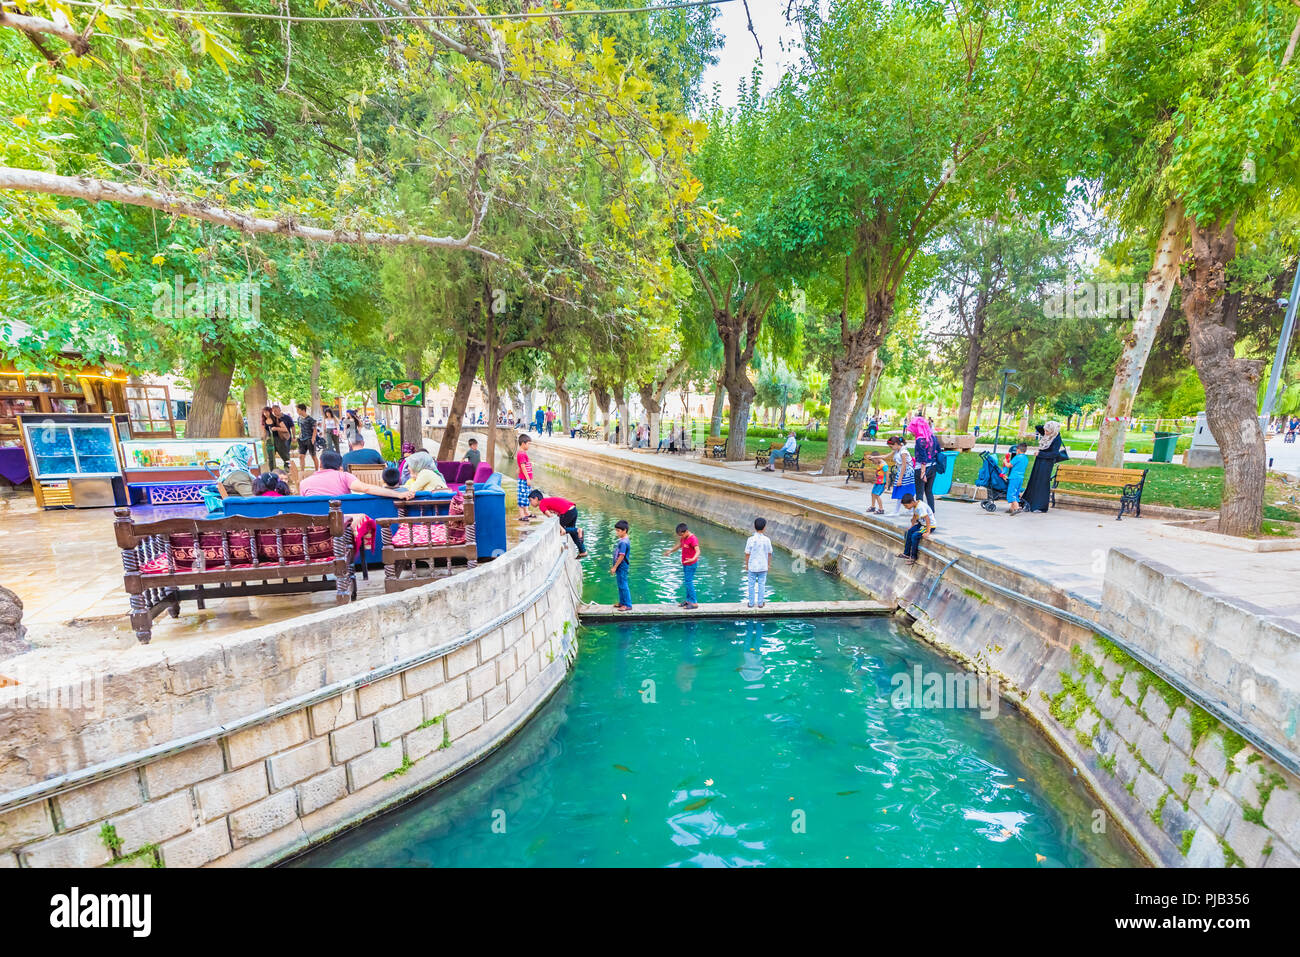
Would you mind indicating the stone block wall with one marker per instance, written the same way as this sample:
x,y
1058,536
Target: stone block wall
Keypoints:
x,y
274,787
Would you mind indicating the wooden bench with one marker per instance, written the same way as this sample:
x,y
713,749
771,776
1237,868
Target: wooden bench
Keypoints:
x,y
193,559
430,532
1129,495
370,474
764,456
715,446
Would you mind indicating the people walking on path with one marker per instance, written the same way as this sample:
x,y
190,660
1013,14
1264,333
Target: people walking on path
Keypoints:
x,y
331,427
283,431
525,478
926,458
306,438
622,555
758,556
539,417
689,546
568,515
269,421
1038,490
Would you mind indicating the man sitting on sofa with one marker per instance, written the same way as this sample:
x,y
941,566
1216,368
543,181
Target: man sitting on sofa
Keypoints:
x,y
358,454
331,480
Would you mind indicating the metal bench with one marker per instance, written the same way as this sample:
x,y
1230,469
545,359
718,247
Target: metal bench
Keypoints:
x,y
764,456
715,446
1129,495
856,468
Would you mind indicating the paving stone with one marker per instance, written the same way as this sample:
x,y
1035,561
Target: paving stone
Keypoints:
x,y
1109,667
1282,856
298,764
1176,768
373,765
1214,807
315,793
259,820
1248,840
264,740
379,695
1155,708
1153,747
1243,784
424,741
220,796
355,739
201,846
26,824
181,770
1209,755
1129,686
333,713
1109,705
99,800
396,721
1148,789
1282,815
1205,850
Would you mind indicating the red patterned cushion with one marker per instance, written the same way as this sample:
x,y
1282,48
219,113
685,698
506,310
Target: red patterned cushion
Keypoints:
x,y
320,546
183,549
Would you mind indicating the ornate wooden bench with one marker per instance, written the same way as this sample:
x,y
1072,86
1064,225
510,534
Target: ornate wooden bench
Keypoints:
x,y
1129,495
193,559
715,446
431,532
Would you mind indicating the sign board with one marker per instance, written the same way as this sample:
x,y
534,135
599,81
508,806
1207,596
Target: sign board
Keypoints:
x,y
400,392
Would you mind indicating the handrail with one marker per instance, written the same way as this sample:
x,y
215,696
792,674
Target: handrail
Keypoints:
x,y
48,788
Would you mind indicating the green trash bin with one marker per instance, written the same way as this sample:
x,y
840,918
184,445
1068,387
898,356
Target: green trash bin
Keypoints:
x,y
1163,449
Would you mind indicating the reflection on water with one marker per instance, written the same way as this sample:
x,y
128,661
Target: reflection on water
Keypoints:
x,y
740,743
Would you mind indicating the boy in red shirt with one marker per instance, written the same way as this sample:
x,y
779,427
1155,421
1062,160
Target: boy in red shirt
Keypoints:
x,y
568,513
689,546
525,478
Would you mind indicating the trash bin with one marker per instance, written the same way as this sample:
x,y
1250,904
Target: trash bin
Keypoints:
x,y
943,483
1163,449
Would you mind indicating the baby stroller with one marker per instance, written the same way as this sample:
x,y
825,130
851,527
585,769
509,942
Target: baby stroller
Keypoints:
x,y
993,479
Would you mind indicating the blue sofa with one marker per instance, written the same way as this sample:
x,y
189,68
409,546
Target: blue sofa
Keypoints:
x,y
489,512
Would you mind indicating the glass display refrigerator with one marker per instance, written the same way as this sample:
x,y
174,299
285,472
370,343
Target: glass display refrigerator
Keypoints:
x,y
175,471
75,458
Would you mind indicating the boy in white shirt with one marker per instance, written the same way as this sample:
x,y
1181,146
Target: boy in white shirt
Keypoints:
x,y
758,554
922,524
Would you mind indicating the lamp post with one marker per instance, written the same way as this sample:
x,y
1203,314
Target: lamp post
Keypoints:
x,y
784,401
1270,395
1006,374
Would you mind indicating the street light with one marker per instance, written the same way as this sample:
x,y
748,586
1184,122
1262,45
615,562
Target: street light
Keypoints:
x,y
1006,374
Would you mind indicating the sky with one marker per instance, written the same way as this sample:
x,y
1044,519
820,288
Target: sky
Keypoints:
x,y
739,52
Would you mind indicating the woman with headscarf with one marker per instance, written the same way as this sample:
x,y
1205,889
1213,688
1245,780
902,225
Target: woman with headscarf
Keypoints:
x,y
926,458
408,449
1038,490
236,475
424,474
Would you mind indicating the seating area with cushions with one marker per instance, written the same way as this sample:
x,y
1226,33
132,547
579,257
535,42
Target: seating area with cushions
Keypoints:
x,y
423,533
489,514
187,559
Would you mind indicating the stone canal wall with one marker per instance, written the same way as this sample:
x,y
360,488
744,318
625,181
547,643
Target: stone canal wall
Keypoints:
x,y
1187,789
256,747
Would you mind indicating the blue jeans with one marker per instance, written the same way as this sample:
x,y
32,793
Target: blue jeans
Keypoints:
x,y
688,578
912,542
757,585
624,593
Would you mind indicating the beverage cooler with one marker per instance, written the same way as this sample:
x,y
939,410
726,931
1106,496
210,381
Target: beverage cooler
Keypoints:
x,y
75,458
175,471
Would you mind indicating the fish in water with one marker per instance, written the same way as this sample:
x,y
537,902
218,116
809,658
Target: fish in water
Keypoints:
x,y
696,805
536,846
818,734
846,793
623,767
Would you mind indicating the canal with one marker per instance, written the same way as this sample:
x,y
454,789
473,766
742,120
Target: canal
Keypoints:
x,y
743,743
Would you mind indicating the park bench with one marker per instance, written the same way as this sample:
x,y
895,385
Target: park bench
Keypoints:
x,y
715,446
764,456
856,468
370,474
194,559
429,532
1129,494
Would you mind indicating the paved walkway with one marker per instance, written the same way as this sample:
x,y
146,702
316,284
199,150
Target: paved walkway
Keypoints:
x,y
1065,547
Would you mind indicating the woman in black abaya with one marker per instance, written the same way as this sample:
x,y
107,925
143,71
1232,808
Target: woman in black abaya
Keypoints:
x,y
1038,490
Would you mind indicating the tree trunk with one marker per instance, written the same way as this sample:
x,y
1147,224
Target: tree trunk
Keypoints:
x,y
469,362
847,369
411,418
565,402
969,377
254,402
1231,384
740,399
315,385
866,393
715,419
620,401
602,400
653,409
1137,344
211,390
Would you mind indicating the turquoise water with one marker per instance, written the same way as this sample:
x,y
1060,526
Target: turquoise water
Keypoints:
x,y
733,743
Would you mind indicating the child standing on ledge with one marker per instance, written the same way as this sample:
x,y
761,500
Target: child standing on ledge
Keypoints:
x,y
689,546
525,476
758,552
622,555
